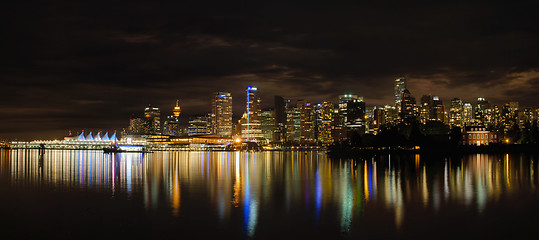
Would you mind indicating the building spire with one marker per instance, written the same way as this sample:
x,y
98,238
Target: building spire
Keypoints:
x,y
177,110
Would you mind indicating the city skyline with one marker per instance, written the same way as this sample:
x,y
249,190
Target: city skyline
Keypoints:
x,y
77,66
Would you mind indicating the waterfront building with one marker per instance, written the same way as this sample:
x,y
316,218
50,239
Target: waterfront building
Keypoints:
x,y
400,86
153,116
222,114
251,130
200,125
479,135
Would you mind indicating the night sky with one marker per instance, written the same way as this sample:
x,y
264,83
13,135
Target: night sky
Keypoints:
x,y
68,66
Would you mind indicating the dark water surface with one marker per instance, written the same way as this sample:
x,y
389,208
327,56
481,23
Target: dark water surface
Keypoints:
x,y
266,195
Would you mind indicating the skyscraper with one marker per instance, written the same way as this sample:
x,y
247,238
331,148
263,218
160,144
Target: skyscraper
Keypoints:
x,y
408,111
267,124
467,114
171,125
307,122
352,110
425,109
222,114
438,109
400,86
251,130
456,113
482,112
325,116
153,116
280,119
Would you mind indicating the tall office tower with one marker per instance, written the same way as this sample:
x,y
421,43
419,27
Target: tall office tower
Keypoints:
x,y
507,118
481,112
391,115
455,113
222,114
409,110
352,110
496,117
467,114
267,124
379,118
324,117
338,130
153,116
438,109
514,110
293,122
171,126
526,116
425,109
400,86
307,122
251,130
280,119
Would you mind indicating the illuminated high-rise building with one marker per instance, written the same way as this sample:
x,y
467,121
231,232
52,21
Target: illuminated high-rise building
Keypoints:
x,y
153,116
171,126
280,119
200,125
307,122
379,118
482,112
400,86
324,114
438,109
455,113
467,114
409,110
352,111
267,124
293,122
425,109
251,130
222,114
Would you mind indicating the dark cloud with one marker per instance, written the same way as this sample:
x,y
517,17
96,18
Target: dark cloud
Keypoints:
x,y
68,65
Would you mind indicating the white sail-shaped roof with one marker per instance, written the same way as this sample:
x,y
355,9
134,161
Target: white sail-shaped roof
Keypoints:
x,y
106,136
81,137
89,137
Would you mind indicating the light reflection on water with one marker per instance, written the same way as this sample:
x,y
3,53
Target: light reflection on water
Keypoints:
x,y
280,185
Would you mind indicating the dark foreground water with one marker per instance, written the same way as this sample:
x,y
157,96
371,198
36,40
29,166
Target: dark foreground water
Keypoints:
x,y
266,195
